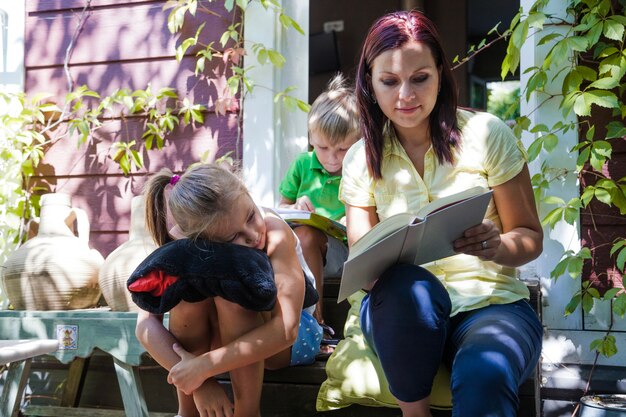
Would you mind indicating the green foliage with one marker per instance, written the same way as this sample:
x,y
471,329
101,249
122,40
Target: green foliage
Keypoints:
x,y
605,346
590,58
232,44
572,263
473,49
22,143
28,126
504,103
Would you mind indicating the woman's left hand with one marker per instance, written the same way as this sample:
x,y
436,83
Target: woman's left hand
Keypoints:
x,y
482,241
184,375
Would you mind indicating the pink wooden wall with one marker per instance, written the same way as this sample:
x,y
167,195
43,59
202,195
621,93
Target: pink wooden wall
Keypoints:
x,y
123,44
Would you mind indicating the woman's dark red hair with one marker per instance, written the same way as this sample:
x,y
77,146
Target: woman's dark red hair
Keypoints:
x,y
392,31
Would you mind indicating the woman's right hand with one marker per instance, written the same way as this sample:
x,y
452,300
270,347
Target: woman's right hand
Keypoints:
x,y
211,400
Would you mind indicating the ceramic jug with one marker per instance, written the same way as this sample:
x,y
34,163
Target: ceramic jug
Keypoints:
x,y
55,270
122,261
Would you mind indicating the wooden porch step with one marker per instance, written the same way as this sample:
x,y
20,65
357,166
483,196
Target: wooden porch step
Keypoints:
x,y
293,391
290,392
56,411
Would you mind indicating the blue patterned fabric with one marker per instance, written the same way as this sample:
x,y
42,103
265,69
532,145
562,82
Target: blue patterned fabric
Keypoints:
x,y
307,345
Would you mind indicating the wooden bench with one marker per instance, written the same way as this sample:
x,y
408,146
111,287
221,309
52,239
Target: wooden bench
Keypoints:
x,y
78,333
286,393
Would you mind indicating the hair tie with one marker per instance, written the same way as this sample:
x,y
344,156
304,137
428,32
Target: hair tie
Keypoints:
x,y
174,179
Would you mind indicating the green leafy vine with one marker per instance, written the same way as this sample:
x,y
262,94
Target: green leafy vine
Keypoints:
x,y
593,83
30,125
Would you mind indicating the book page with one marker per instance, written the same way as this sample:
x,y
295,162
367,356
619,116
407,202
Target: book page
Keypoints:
x,y
443,227
360,271
450,199
303,217
287,213
412,242
380,231
407,239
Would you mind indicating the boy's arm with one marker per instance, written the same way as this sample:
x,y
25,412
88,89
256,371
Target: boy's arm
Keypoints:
x,y
291,182
285,202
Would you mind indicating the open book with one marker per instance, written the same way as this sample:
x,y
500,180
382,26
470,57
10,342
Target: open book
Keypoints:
x,y
412,238
326,225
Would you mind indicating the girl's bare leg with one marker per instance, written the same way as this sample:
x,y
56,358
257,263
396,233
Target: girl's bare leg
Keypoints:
x,y
191,324
314,246
247,381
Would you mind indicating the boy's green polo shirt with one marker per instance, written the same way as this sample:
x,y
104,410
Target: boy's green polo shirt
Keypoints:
x,y
307,176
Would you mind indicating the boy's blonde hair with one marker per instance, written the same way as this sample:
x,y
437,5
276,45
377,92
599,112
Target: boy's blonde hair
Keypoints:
x,y
334,113
197,200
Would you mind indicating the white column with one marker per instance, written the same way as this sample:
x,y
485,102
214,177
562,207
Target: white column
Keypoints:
x,y
12,22
295,48
566,339
563,236
273,135
12,17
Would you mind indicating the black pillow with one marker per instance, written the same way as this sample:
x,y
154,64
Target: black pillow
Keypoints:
x,y
193,270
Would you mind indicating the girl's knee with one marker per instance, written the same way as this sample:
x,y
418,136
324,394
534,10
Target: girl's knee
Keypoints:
x,y
310,236
234,320
197,313
234,311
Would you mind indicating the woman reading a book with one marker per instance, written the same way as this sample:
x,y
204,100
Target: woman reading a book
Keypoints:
x,y
468,310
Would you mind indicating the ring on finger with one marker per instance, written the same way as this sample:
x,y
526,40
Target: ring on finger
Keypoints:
x,y
483,244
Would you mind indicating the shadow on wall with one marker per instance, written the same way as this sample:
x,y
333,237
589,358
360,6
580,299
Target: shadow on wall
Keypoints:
x,y
121,46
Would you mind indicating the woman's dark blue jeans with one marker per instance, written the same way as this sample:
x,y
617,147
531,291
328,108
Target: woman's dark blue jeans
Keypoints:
x,y
490,351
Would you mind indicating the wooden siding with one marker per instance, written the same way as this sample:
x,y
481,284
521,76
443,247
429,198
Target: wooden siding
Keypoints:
x,y
122,44
601,225
105,78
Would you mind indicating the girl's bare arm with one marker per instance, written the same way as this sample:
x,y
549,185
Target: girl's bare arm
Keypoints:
x,y
156,339
273,336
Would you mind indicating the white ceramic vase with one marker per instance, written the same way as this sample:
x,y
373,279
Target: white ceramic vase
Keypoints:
x,y
122,261
55,270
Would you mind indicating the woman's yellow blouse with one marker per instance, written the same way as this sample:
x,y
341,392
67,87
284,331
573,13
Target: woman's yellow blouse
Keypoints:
x,y
489,155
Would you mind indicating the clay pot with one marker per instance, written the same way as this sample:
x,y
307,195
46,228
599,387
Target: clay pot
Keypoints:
x,y
122,261
55,270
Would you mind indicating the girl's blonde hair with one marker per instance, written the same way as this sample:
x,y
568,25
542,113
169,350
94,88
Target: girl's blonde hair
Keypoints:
x,y
196,200
334,113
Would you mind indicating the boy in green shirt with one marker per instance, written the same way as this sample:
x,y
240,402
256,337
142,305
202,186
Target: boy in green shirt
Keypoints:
x,y
312,181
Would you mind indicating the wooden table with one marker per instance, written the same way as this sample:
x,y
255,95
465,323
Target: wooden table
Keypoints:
x,y
78,333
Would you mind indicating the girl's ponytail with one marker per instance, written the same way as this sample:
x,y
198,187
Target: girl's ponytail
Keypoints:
x,y
196,201
156,209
